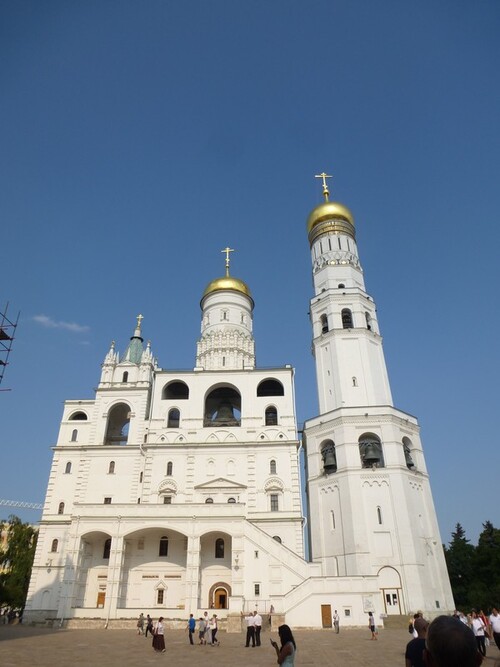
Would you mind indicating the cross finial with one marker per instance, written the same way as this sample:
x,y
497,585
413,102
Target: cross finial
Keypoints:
x,y
139,320
227,250
326,191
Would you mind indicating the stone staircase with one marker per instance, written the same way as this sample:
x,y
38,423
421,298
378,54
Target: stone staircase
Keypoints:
x,y
396,622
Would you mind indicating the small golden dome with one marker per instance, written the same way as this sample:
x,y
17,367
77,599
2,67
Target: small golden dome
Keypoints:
x,y
329,210
227,283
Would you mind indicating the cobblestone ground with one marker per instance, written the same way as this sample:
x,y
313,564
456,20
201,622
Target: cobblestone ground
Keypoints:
x,y
22,646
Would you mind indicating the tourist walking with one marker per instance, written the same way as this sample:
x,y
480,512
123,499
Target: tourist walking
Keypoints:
x,y
140,624
213,629
479,630
285,653
495,626
149,626
336,622
371,625
191,628
159,636
202,627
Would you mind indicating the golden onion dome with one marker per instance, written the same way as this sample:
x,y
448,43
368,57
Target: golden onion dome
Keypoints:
x,y
227,283
329,210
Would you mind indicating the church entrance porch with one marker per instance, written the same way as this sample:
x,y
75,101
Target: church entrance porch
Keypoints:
x,y
391,591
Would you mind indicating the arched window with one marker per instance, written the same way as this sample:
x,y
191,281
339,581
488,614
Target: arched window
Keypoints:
x,y
379,515
341,285
61,508
68,468
329,456
354,381
270,387
272,467
74,435
274,502
271,416
368,320
111,468
163,550
118,425
333,520
177,391
370,451
141,475
78,416
125,377
324,323
347,318
219,548
223,407
407,452
107,549
209,501
277,538
174,418
55,544
170,467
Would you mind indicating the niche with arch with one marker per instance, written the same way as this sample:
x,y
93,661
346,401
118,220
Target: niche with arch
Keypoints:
x,y
370,451
223,407
118,425
176,390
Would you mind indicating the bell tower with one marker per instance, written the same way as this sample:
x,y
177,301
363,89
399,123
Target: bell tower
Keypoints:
x,y
370,503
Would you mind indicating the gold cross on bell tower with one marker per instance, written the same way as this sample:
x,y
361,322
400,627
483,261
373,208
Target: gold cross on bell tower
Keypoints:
x,y
326,191
227,250
139,320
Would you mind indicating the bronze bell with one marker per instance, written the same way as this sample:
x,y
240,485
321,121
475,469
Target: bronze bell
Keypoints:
x,y
371,455
329,459
225,415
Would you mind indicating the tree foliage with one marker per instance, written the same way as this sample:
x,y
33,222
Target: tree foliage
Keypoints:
x,y
16,561
475,570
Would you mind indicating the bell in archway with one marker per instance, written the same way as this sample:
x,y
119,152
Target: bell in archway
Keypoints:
x,y
225,415
329,459
371,455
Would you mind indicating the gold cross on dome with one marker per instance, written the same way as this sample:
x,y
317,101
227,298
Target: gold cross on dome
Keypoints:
x,y
326,191
227,250
139,320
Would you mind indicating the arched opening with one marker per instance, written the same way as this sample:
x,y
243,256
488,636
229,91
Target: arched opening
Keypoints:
x,y
111,468
163,548
347,318
107,549
118,425
218,597
223,407
368,320
55,544
67,470
329,457
174,418
370,451
78,416
177,391
324,323
209,501
74,435
125,377
277,538
407,445
219,548
231,500
272,467
270,387
60,509
170,467
379,516
271,416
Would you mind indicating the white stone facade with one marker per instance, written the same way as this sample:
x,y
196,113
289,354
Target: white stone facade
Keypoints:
x,y
173,492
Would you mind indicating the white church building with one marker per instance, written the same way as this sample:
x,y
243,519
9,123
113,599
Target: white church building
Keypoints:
x,y
173,492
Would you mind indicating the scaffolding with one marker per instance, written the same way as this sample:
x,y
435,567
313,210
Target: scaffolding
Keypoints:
x,y
7,334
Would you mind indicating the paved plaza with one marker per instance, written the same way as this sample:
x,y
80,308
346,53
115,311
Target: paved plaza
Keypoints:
x,y
23,646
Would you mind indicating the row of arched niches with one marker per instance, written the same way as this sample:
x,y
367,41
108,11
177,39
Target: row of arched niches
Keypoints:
x,y
222,408
371,453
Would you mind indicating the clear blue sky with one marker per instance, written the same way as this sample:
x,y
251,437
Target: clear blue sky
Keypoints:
x,y
137,139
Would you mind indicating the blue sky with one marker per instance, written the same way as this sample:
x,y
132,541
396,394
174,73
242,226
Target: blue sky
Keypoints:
x,y
138,139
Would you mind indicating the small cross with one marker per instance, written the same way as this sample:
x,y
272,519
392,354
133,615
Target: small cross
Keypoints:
x,y
227,250
139,320
326,191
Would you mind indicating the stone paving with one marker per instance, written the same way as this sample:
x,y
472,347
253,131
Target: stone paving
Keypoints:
x,y
22,646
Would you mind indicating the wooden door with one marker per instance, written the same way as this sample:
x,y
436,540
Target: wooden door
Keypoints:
x,y
326,615
101,598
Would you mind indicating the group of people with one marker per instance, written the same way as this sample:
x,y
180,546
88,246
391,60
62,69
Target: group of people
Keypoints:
x,y
207,629
451,640
155,630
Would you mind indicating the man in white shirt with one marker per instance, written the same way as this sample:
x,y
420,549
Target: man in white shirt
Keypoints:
x,y
257,622
495,625
249,620
336,622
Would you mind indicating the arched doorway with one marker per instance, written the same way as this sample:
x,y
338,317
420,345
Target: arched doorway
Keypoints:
x,y
219,596
392,591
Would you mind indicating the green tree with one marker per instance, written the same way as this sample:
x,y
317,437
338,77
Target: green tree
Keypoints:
x,y
460,556
16,561
487,567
